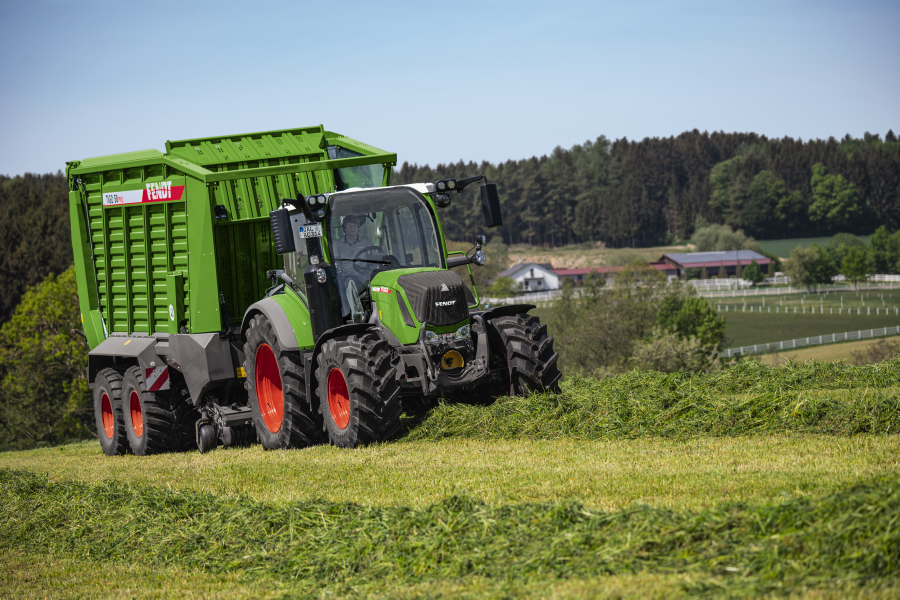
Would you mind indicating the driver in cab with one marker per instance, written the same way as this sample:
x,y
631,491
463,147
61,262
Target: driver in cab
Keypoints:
x,y
348,246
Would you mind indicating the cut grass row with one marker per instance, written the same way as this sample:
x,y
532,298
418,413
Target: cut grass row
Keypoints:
x,y
852,536
749,398
605,474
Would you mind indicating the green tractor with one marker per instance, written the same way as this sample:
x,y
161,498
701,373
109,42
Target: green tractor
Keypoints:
x,y
350,312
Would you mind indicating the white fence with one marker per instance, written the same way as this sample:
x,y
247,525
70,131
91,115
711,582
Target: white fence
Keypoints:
x,y
779,291
815,340
526,298
876,282
717,285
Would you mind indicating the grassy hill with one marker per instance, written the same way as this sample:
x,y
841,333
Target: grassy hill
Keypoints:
x,y
752,481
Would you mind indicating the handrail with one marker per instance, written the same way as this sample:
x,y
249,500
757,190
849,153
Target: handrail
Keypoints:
x,y
207,176
316,165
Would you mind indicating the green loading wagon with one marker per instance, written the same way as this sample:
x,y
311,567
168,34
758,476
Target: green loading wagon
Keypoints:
x,y
274,286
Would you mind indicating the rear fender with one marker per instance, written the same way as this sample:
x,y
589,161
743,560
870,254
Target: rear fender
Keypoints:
x,y
288,317
120,351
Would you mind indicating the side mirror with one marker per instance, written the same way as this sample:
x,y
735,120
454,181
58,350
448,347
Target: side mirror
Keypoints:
x,y
490,204
281,231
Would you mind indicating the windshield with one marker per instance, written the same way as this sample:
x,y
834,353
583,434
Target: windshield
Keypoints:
x,y
389,228
365,176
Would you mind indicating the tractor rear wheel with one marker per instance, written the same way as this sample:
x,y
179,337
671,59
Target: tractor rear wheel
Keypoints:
x,y
276,386
149,424
527,353
108,412
359,397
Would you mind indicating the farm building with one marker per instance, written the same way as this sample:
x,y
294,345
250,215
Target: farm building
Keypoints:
x,y
713,262
533,277
577,275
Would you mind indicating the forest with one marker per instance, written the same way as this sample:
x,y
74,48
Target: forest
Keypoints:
x,y
620,193
651,192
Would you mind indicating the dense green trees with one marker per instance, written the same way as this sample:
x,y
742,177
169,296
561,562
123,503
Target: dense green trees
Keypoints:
x,y
628,193
44,397
836,203
35,234
753,273
884,249
712,237
640,320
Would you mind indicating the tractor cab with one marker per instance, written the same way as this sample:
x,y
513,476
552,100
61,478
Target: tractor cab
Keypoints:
x,y
370,231
343,250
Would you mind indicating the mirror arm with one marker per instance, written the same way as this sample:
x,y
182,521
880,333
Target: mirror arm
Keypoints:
x,y
462,183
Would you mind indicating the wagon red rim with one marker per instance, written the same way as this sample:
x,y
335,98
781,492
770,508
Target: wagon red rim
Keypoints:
x,y
137,415
338,398
106,414
268,388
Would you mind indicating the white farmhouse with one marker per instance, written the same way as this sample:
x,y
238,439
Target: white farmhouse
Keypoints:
x,y
533,277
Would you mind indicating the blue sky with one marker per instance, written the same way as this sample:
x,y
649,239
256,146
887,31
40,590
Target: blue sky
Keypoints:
x,y
437,81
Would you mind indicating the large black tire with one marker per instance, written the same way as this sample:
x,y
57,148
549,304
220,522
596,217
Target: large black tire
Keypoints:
x,y
527,352
276,387
149,424
108,412
359,397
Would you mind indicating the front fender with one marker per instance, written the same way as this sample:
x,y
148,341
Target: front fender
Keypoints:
x,y
504,311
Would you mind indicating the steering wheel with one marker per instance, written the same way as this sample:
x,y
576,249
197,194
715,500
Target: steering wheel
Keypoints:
x,y
356,265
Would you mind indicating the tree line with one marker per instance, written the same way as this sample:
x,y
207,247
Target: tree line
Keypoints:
x,y
35,234
846,255
621,193
651,192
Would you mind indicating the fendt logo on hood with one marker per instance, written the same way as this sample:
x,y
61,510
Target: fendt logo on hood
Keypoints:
x,y
446,303
154,192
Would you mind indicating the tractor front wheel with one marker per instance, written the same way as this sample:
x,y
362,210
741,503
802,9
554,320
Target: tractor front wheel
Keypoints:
x,y
277,391
359,397
521,347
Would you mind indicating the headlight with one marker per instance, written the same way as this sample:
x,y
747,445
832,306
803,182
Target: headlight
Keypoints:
x,y
320,275
430,336
441,185
479,258
320,199
320,214
463,332
442,200
311,200
451,184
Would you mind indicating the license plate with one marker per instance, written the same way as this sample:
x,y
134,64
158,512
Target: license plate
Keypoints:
x,y
308,231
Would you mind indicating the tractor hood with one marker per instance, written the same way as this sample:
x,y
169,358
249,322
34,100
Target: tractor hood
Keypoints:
x,y
436,297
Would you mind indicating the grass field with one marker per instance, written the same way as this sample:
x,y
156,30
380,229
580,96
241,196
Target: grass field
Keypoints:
x,y
588,255
754,320
745,328
593,255
749,482
825,353
782,248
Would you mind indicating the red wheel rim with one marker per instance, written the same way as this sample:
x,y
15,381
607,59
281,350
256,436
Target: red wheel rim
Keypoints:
x,y
137,416
268,388
338,398
106,413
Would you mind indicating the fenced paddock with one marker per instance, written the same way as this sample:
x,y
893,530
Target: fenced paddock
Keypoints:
x,y
815,340
876,282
